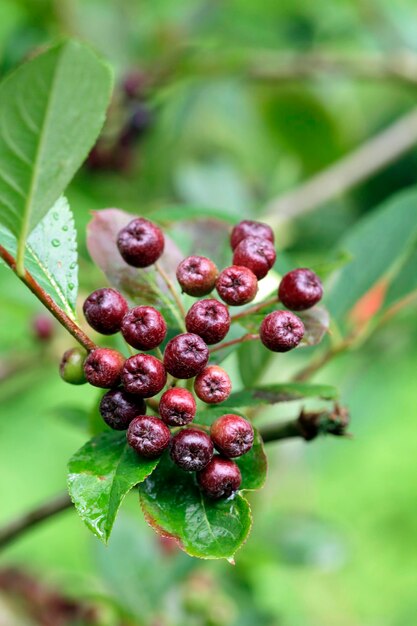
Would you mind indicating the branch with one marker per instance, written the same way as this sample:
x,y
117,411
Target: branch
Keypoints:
x,y
20,525
233,342
254,309
47,301
357,166
308,426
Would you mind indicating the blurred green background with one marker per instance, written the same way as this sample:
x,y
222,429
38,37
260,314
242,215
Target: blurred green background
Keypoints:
x,y
335,532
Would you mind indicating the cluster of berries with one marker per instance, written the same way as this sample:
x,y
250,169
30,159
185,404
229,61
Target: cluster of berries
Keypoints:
x,y
141,376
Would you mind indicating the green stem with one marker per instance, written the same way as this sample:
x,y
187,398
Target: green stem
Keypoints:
x,y
171,287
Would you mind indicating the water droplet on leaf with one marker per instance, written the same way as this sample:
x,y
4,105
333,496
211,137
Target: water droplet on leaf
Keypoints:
x,y
56,243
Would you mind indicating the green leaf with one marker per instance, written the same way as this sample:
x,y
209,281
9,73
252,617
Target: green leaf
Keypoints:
x,y
253,358
175,507
376,244
405,282
51,111
253,465
101,473
283,392
51,255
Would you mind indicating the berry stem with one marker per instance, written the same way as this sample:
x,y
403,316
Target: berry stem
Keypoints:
x,y
171,287
227,344
153,404
254,309
159,354
47,301
150,279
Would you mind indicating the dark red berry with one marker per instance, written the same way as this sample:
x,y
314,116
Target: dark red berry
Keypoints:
x,y
300,289
232,435
144,328
185,355
103,367
134,83
141,242
249,228
237,285
220,478
255,253
71,368
148,435
197,275
191,449
136,126
177,407
210,319
144,375
104,310
281,331
43,327
118,408
213,385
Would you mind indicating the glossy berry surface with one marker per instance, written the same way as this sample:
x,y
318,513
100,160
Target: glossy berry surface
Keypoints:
x,y
209,319
185,355
281,331
104,310
144,375
177,407
213,385
103,367
71,368
144,328
250,228
140,243
118,408
191,449
300,289
197,275
255,253
148,436
232,435
237,285
220,478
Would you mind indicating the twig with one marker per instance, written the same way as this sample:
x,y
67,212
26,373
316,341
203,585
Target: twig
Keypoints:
x,y
171,287
47,301
20,525
227,344
254,309
357,166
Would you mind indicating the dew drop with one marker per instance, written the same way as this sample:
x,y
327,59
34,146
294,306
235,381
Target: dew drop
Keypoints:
x,y
71,286
65,228
55,215
56,243
73,265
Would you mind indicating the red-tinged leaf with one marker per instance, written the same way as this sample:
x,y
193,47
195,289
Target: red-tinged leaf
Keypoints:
x,y
316,323
370,304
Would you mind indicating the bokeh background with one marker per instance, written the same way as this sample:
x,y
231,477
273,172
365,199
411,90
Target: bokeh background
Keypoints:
x,y
226,106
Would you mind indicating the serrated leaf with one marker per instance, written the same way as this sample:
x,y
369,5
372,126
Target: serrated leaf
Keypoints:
x,y
282,392
376,244
100,475
51,111
175,507
51,255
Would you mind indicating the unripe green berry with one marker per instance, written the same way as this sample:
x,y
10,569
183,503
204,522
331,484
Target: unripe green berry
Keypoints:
x,y
71,368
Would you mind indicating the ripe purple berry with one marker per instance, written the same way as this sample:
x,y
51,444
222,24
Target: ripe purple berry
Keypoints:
x,y
213,385
249,228
148,436
281,331
300,289
71,368
191,449
144,328
141,242
104,310
144,375
237,285
197,275
232,435
209,319
177,407
220,478
185,355
118,408
103,368
255,253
